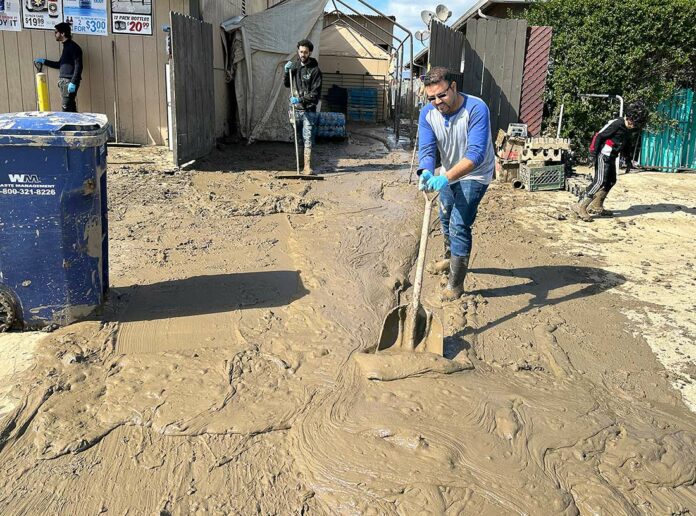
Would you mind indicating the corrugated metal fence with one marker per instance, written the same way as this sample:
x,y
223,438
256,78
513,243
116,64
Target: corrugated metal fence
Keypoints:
x,y
673,147
536,68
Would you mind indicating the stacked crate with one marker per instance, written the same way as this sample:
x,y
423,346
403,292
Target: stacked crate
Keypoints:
x,y
362,104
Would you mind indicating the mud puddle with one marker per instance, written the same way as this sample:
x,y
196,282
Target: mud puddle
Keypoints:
x,y
228,375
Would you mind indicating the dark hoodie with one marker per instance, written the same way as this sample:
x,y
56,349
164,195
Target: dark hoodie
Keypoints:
x,y
70,63
307,83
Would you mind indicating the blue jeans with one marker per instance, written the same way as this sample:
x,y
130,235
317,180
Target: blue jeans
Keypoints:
x,y
458,207
306,127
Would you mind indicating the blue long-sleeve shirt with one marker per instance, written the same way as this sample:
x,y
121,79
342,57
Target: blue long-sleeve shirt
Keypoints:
x,y
463,134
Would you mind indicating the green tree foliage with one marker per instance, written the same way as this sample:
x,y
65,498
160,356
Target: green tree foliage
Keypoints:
x,y
639,49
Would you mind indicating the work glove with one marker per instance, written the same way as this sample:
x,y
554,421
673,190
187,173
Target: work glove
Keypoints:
x,y
72,88
437,183
423,178
294,101
39,60
288,66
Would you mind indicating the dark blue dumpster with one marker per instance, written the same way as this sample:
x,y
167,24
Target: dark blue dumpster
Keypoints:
x,y
53,227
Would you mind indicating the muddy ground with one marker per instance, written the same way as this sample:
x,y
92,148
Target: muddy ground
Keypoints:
x,y
228,373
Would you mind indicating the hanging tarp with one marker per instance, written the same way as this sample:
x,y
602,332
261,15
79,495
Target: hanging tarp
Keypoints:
x,y
261,45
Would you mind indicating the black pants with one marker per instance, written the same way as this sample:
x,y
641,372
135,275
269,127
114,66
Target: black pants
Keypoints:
x,y
604,176
69,100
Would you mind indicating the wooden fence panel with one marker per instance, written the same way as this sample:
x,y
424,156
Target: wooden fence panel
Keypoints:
x,y
192,82
520,50
469,44
494,61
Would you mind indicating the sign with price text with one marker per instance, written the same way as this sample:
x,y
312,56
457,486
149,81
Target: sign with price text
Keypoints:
x,y
42,14
10,15
131,17
86,16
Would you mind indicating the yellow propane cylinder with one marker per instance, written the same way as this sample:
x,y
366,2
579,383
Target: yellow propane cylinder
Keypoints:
x,y
42,98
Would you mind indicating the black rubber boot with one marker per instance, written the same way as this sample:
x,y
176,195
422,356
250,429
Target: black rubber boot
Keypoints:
x,y
455,286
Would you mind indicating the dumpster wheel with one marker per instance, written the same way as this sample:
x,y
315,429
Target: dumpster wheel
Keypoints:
x,y
7,312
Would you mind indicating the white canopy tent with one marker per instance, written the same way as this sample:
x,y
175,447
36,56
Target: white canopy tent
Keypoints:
x,y
345,49
261,45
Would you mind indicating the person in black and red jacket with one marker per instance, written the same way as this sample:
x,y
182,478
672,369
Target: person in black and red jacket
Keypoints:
x,y
610,142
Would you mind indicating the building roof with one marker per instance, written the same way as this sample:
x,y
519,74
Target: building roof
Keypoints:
x,y
483,5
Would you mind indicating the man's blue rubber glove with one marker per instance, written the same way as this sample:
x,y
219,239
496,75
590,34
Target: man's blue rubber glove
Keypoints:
x,y
423,180
72,88
294,101
437,183
288,66
40,60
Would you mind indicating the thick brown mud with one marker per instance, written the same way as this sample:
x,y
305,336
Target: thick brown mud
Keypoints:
x,y
230,373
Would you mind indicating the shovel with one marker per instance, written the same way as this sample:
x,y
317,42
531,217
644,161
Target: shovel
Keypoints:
x,y
412,327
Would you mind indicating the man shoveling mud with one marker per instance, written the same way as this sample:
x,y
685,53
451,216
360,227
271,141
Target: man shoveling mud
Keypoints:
x,y
606,146
305,96
457,125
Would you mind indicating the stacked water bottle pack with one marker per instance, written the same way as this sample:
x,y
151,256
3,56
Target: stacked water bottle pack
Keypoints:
x,y
332,125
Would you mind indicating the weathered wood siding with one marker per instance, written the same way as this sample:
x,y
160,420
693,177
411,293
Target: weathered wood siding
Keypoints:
x,y
137,75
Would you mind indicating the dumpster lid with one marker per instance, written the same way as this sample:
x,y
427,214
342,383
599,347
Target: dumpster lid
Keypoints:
x,y
52,123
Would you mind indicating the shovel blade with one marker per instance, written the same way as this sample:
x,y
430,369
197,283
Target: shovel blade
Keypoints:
x,y
397,333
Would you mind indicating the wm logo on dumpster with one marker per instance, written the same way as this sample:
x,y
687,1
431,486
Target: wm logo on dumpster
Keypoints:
x,y
24,178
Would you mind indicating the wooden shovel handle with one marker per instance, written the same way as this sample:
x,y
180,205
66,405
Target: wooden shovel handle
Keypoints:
x,y
420,264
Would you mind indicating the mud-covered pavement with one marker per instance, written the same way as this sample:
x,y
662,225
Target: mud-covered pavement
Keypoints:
x,y
228,373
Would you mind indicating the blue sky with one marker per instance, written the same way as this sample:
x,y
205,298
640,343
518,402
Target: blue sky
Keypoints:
x,y
407,12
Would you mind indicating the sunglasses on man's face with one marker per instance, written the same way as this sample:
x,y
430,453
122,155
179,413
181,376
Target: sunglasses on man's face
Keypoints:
x,y
440,95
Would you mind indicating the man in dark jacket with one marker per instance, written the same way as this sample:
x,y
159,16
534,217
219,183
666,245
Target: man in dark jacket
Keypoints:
x,y
607,145
305,93
70,66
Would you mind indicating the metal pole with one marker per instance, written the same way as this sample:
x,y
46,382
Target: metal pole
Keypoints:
x,y
361,27
413,159
294,124
560,121
621,109
370,21
606,96
117,124
399,74
397,24
394,91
